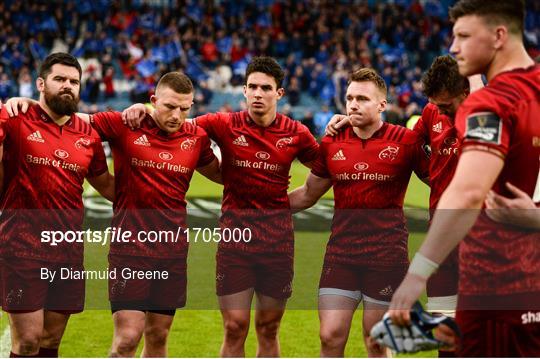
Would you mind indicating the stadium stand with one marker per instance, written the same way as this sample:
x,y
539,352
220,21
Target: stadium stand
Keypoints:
x,y
125,46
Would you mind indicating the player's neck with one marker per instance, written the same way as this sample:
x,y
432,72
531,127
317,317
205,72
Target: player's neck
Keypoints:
x,y
367,131
60,120
263,120
514,56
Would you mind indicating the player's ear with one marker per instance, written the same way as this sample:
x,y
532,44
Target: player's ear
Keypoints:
x,y
40,84
281,92
245,91
501,36
153,100
382,105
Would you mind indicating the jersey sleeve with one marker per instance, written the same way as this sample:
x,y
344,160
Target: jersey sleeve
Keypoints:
x,y
98,165
4,121
207,155
309,148
212,123
320,169
421,159
108,125
482,122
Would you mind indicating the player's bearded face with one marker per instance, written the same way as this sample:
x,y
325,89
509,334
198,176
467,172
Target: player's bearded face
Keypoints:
x,y
364,103
63,102
473,45
171,109
261,93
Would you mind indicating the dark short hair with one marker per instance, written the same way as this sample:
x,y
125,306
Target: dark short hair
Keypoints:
x,y
176,81
268,66
58,58
502,12
368,75
443,75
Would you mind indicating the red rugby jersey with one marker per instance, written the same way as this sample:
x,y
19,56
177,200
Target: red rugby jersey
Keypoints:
x,y
438,131
370,178
498,259
152,173
45,166
255,167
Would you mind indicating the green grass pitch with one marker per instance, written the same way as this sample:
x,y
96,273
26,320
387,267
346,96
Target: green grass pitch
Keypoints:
x,y
198,332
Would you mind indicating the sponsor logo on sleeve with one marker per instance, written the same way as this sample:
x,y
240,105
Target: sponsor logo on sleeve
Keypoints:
x,y
437,127
484,127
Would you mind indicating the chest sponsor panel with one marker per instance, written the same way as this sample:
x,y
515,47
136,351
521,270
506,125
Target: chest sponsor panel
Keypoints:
x,y
65,151
381,165
178,156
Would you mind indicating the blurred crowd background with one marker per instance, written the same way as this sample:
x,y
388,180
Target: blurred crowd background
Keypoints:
x,y
125,46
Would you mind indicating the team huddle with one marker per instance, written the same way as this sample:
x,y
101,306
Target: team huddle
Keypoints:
x,y
478,148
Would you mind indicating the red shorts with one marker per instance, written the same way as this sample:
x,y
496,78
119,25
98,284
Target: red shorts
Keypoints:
x,y
270,274
368,282
163,287
25,291
499,333
444,282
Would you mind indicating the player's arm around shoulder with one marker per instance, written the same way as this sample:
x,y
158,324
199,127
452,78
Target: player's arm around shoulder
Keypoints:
x,y
104,184
309,147
208,164
421,156
318,182
309,193
98,174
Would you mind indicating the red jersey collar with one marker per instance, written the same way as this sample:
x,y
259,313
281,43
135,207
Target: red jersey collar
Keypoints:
x,y
377,134
249,120
43,116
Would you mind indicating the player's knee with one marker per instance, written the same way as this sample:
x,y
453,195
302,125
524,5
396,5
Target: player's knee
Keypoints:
x,y
267,328
27,343
50,340
128,341
156,336
236,328
332,337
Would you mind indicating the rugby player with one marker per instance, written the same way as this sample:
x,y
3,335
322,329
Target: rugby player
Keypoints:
x,y
369,165
258,147
47,154
499,133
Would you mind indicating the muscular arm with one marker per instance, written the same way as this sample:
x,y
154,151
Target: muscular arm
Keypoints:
x,y
212,171
104,184
307,195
